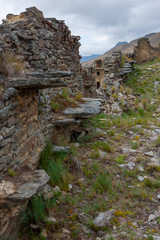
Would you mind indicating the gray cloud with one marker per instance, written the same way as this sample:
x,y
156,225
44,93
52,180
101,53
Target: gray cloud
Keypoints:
x,y
100,23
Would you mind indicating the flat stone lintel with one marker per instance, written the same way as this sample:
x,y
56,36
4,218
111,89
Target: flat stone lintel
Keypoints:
x,y
58,74
67,121
37,83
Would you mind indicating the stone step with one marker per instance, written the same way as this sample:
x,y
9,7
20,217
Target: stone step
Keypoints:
x,y
90,108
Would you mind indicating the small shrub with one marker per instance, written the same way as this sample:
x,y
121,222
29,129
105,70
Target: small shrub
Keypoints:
x,y
95,154
55,106
115,96
36,210
151,183
65,93
130,173
141,112
111,133
103,146
113,89
11,172
78,96
117,138
121,88
157,143
119,213
120,159
135,145
158,219
144,102
150,237
53,164
129,90
102,183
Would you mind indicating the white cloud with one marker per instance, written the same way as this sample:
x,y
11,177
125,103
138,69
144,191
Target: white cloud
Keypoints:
x,y
100,23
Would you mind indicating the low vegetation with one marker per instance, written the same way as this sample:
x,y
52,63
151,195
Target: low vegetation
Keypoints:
x,y
11,65
65,99
116,172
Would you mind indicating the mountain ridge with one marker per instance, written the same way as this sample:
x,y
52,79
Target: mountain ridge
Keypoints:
x,y
154,39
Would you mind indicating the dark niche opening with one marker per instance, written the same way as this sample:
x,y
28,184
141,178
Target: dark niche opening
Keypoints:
x,y
98,73
98,85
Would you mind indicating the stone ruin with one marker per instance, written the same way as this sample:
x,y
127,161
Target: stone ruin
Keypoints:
x,y
144,52
110,75
38,57
112,69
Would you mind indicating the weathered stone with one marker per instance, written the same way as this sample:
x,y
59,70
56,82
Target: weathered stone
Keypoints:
x,y
51,219
82,112
9,93
14,194
154,162
61,149
84,218
32,182
33,226
115,107
104,218
151,217
131,165
150,154
90,108
140,178
7,132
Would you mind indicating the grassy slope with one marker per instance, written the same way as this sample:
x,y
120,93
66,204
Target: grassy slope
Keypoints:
x,y
106,181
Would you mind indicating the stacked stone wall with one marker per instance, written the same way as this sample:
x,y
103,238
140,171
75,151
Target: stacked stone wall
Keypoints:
x,y
144,52
21,138
89,82
42,45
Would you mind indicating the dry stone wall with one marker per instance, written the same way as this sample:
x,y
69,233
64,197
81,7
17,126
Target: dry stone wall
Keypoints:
x,y
43,43
20,130
144,52
47,56
89,82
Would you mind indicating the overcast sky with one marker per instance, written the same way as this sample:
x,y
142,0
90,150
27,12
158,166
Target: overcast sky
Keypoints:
x,y
100,23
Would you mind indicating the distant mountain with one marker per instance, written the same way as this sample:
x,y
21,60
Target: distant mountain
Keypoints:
x,y
87,58
154,39
149,35
117,45
120,43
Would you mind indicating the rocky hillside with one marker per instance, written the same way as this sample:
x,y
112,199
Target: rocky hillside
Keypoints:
x,y
106,183
128,47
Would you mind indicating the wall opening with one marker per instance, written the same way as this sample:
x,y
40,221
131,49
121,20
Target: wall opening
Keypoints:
x,y
98,85
98,73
